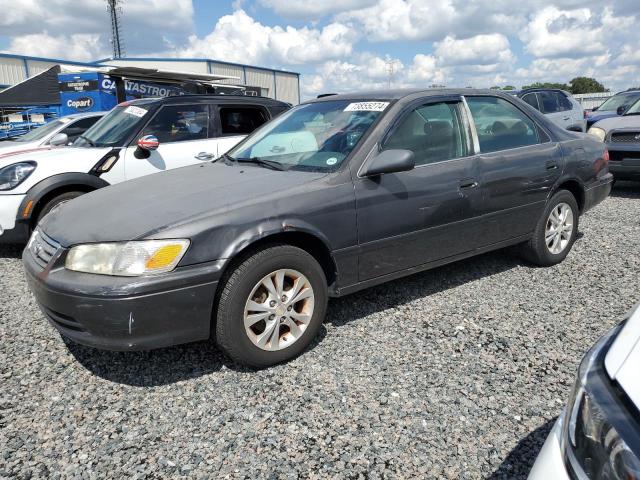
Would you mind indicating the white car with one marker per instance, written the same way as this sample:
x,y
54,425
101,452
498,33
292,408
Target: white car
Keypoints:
x,y
560,106
598,434
136,138
59,132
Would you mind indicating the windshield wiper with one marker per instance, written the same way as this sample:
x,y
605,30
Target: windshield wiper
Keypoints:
x,y
263,162
226,157
88,140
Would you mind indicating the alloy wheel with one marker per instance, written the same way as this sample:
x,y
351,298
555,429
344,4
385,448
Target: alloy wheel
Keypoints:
x,y
559,228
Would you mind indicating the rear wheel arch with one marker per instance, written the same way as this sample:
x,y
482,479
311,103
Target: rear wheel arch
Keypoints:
x,y
575,188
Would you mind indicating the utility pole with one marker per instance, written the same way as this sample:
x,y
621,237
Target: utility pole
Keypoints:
x,y
115,11
391,68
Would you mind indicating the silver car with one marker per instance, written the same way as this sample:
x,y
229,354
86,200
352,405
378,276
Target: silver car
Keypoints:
x,y
560,106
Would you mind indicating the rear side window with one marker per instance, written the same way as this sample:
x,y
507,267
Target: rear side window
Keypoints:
x,y
432,132
241,120
76,129
179,123
553,102
500,125
531,99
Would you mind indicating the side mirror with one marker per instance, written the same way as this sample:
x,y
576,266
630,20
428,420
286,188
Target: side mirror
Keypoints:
x,y
390,161
146,145
621,109
59,139
575,128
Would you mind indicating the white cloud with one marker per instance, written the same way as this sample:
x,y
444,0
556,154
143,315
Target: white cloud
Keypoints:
x,y
484,49
240,38
311,10
79,46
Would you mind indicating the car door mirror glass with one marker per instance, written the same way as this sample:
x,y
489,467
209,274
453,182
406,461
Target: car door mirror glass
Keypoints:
x,y
390,161
59,139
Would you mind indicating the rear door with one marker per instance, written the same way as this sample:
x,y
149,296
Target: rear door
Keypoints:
x,y
518,165
235,122
183,133
411,218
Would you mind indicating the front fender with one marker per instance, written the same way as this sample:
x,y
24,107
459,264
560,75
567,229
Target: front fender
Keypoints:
x,y
36,193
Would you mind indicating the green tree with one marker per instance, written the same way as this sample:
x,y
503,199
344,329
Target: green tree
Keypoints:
x,y
509,87
586,85
561,86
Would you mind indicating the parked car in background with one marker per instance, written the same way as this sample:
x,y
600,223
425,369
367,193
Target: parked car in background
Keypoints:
x,y
614,106
62,131
134,139
558,105
336,195
597,436
622,136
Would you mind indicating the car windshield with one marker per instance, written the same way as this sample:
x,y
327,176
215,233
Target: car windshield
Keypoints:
x,y
40,132
113,129
617,101
316,136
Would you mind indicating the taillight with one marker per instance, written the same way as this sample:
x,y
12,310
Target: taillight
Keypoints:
x,y
605,156
585,114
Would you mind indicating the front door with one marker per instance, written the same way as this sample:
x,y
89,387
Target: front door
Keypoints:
x,y
182,131
518,166
412,218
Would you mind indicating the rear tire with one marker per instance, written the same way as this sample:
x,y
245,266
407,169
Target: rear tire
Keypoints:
x,y
555,232
259,322
54,202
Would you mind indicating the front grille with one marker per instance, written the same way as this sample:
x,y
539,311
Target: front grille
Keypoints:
x,y
63,321
625,137
618,156
42,247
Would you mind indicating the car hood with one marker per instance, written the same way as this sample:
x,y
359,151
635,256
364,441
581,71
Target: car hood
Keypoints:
x,y
623,357
51,154
145,207
622,122
597,116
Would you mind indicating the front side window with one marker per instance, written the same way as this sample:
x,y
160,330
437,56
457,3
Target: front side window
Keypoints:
x,y
619,100
500,125
241,120
179,123
114,128
432,132
316,136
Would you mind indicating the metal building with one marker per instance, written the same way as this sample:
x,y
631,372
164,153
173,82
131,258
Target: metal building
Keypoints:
x,y
279,84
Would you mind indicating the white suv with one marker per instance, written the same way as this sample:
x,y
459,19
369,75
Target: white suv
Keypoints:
x,y
560,106
136,138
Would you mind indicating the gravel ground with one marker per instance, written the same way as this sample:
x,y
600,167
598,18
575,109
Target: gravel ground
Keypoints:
x,y
455,373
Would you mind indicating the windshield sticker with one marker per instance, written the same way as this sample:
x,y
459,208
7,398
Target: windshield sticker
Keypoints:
x,y
366,107
137,111
332,161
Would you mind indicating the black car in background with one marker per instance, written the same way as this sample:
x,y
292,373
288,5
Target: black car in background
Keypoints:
x,y
335,195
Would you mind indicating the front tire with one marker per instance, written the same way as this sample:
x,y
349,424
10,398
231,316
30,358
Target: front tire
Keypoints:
x,y
54,202
271,306
555,232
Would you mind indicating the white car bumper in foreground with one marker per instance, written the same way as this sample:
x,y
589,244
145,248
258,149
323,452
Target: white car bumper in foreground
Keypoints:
x,y
9,205
550,465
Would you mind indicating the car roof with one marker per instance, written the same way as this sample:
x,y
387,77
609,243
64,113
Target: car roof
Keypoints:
x,y
200,98
397,94
531,90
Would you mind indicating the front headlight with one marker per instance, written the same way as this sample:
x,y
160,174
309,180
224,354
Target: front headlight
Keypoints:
x,y
597,132
597,446
13,175
130,259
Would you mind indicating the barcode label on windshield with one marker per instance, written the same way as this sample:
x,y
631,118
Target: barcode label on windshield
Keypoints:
x,y
137,111
366,107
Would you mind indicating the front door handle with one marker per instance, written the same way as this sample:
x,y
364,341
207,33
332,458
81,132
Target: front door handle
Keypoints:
x,y
465,184
551,165
567,118
204,156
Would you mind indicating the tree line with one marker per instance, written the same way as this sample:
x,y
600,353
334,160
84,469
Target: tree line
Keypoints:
x,y
575,86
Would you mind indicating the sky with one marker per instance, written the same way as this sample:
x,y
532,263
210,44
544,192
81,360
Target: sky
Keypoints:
x,y
346,45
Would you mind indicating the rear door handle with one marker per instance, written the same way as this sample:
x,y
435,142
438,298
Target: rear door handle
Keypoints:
x,y
567,118
465,184
204,156
551,165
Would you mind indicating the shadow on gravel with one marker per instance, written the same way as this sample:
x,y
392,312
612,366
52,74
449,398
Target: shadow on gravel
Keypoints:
x,y
11,251
626,190
520,460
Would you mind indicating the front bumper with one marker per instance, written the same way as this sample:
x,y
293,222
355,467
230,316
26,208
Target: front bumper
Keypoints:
x,y
597,192
625,161
549,464
124,313
10,230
